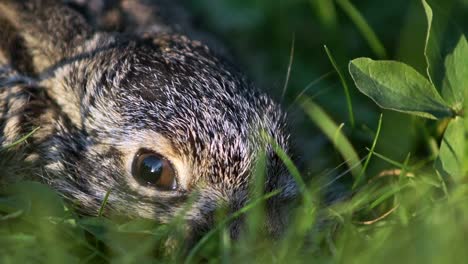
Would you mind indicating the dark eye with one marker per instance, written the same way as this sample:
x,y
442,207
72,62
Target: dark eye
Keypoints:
x,y
151,169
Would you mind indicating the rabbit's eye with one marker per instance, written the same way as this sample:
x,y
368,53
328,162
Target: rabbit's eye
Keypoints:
x,y
151,169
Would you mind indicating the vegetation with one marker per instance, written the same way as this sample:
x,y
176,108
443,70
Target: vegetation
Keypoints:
x,y
404,169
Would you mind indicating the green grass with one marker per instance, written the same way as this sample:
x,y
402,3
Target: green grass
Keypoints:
x,y
402,215
398,207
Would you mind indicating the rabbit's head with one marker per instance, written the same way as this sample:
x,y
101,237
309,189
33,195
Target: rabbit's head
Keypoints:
x,y
159,122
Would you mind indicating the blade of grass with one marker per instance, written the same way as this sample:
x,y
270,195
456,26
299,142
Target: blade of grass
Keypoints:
x,y
329,128
288,73
305,222
343,173
235,215
291,168
310,85
338,131
398,199
366,31
226,246
104,202
21,140
326,12
395,163
405,164
257,217
361,176
345,85
392,191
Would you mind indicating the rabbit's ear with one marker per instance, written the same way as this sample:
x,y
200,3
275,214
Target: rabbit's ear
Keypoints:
x,y
46,28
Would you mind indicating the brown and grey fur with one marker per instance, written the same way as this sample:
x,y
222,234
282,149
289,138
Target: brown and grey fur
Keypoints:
x,y
98,97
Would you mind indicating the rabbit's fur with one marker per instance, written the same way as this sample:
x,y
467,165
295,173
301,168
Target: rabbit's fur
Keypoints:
x,y
100,97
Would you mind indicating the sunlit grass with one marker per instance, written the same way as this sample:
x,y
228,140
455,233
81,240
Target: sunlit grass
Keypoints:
x,y
401,214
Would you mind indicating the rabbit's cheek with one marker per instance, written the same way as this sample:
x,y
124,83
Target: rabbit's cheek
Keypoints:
x,y
64,96
11,129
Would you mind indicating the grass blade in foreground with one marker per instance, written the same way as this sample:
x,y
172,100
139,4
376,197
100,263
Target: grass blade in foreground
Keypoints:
x,y
213,231
360,178
326,12
21,140
329,128
396,86
363,27
345,86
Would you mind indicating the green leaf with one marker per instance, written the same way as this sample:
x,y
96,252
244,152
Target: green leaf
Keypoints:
x,y
452,157
441,36
456,76
396,86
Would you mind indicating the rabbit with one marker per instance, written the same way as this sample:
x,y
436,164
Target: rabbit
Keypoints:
x,y
139,108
